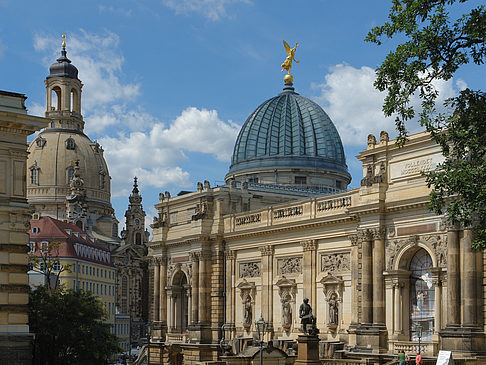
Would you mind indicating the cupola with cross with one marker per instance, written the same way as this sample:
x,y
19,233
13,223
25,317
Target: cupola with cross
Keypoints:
x,y
63,90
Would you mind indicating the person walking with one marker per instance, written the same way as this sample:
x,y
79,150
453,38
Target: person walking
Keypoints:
x,y
418,359
402,358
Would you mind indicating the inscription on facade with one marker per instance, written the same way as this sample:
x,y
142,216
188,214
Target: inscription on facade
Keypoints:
x,y
414,166
289,265
249,269
335,262
288,212
248,219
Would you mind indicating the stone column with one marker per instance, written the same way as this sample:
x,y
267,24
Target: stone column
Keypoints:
x,y
354,279
453,278
156,289
230,303
366,278
469,309
203,287
267,287
437,307
195,286
378,280
397,310
309,271
162,290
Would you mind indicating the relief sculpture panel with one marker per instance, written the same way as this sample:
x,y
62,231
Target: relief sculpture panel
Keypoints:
x,y
249,269
289,265
336,262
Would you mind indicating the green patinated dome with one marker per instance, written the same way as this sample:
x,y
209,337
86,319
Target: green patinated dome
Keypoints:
x,y
288,131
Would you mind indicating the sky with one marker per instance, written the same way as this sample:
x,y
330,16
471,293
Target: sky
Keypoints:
x,y
169,83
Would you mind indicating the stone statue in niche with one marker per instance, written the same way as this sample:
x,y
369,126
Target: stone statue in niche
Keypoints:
x,y
286,312
247,313
333,310
307,319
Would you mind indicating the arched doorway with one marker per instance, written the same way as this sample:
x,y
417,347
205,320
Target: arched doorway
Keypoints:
x,y
422,297
180,302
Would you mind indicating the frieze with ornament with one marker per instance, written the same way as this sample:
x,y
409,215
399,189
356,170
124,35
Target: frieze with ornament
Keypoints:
x,y
336,262
289,265
249,269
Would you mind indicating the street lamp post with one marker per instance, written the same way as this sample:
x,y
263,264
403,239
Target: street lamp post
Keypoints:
x,y
261,326
419,334
149,330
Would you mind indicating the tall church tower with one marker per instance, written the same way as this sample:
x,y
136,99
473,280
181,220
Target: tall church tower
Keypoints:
x,y
68,177
134,232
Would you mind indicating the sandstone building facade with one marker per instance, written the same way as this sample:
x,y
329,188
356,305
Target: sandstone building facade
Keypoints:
x,y
379,269
15,126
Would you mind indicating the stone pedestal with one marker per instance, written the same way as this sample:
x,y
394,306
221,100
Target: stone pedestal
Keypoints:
x,y
464,340
308,350
372,339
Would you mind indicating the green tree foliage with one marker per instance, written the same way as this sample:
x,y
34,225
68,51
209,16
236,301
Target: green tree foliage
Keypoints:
x,y
69,328
434,45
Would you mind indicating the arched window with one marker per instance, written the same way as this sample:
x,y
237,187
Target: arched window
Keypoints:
x,y
422,297
70,174
124,294
138,238
114,230
34,175
55,98
102,179
70,145
74,101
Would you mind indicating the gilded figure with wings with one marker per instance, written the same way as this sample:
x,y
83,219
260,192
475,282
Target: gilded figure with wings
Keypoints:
x,y
287,64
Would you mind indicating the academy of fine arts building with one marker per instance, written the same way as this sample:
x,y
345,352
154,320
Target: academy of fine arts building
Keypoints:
x,y
281,236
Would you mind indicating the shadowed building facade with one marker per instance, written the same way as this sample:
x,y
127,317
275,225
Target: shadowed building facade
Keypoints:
x,y
15,126
380,270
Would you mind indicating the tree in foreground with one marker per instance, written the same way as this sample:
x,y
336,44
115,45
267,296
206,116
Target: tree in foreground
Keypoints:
x,y
435,45
69,328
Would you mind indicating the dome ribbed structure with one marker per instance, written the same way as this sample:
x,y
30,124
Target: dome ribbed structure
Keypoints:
x,y
288,131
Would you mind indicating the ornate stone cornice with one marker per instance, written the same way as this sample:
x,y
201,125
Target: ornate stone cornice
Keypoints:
x,y
309,245
267,250
206,255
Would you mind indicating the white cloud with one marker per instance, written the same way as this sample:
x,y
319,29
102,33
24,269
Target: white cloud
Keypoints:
x,y
154,156
211,9
355,106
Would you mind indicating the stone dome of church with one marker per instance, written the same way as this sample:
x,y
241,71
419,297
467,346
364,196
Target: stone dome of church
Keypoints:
x,y
54,153
290,132
67,173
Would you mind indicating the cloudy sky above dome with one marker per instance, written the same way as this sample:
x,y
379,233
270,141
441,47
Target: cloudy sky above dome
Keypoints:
x,y
168,84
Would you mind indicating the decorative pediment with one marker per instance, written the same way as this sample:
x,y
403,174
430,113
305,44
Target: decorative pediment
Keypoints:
x,y
332,284
247,287
286,286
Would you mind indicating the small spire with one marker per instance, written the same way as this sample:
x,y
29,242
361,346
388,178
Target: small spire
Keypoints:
x,y
135,186
63,41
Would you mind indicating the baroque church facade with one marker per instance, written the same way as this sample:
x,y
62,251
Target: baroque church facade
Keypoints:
x,y
380,270
68,179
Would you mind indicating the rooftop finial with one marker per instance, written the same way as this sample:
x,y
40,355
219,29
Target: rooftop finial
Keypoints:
x,y
135,185
287,64
63,41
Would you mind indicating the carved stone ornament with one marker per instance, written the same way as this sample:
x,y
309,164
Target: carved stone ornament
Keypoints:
x,y
247,294
250,269
336,262
173,268
289,265
309,245
438,242
267,250
354,239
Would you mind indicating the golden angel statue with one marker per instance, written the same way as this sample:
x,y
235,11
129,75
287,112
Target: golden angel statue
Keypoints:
x,y
287,64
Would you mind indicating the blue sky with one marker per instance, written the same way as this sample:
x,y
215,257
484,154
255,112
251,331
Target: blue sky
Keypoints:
x,y
167,83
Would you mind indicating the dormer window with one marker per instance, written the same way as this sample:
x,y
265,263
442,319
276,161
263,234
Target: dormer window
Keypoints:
x,y
70,145
40,142
70,174
102,179
35,230
34,174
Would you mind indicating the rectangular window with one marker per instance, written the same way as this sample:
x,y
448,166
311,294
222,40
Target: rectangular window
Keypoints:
x,y
56,266
97,272
90,287
83,285
300,180
97,288
105,289
31,247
